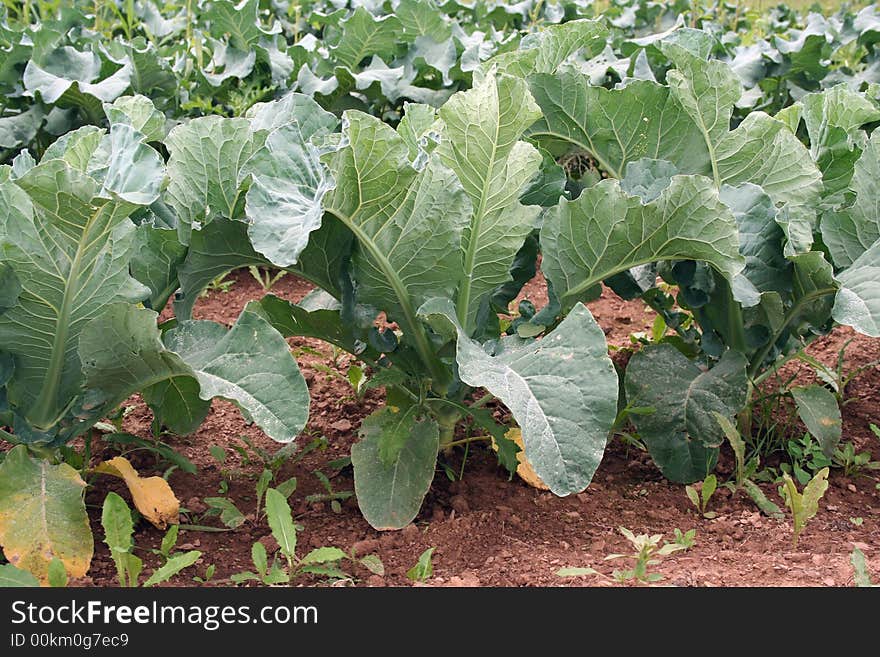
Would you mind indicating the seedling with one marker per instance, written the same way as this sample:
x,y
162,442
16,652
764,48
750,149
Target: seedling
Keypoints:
x,y
701,499
118,532
686,539
265,276
746,471
647,547
335,497
424,568
807,458
837,378
209,575
853,464
858,521
861,576
322,561
804,505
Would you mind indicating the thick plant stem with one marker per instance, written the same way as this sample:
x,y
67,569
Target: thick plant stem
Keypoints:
x,y
744,417
447,419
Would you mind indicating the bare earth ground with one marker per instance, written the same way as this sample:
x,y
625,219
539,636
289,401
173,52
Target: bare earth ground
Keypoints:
x,y
489,531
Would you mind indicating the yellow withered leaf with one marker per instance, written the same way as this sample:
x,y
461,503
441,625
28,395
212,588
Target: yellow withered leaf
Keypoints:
x,y
43,516
524,470
152,496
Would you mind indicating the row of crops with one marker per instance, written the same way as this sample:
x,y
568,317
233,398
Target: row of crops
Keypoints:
x,y
413,161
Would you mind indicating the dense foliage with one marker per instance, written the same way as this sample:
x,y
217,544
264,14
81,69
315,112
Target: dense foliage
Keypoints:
x,y
413,162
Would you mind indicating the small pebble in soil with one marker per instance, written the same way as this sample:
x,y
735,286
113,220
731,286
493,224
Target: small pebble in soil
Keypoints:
x,y
375,580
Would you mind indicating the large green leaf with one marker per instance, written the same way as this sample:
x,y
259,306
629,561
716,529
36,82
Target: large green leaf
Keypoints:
x,y
43,515
763,151
407,224
833,119
239,21
545,50
223,245
682,434
122,353
481,145
607,231
250,365
156,258
818,409
283,203
422,18
12,577
132,171
71,78
394,463
21,128
70,251
851,231
858,301
323,323
364,36
207,157
139,113
561,390
760,238
707,92
617,126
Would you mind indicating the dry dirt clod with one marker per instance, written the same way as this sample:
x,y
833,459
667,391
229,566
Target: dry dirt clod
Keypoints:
x,y
460,504
270,543
342,426
366,546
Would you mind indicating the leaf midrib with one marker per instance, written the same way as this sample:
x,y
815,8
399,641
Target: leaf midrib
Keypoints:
x,y
44,414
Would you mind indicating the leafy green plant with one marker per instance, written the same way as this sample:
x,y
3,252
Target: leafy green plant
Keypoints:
x,y
803,505
853,464
807,458
763,235
700,499
322,561
647,548
118,532
74,268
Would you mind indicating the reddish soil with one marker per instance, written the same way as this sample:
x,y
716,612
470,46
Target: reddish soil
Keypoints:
x,y
489,531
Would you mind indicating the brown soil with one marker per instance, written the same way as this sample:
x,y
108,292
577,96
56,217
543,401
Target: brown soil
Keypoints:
x,y
489,531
